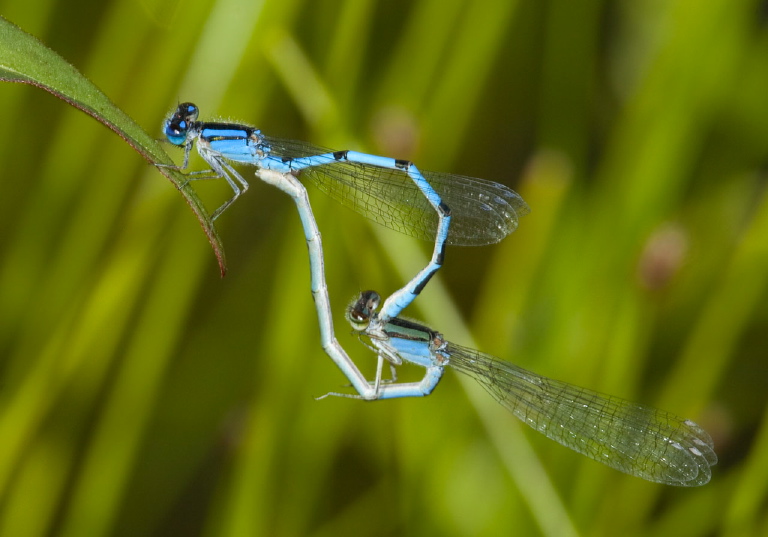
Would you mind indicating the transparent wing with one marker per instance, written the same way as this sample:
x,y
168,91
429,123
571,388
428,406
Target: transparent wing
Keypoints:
x,y
483,212
635,439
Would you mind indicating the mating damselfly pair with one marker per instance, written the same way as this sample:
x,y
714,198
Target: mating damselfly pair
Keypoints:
x,y
449,209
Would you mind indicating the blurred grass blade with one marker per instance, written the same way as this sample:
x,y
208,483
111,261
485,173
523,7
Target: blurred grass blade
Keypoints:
x,y
23,58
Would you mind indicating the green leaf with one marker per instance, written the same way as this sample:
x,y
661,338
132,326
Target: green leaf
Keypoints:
x,y
23,58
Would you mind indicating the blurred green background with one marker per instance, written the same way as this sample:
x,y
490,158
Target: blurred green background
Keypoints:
x,y
140,394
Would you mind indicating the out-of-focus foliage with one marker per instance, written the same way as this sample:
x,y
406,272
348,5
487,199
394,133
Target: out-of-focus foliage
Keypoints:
x,y
142,395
